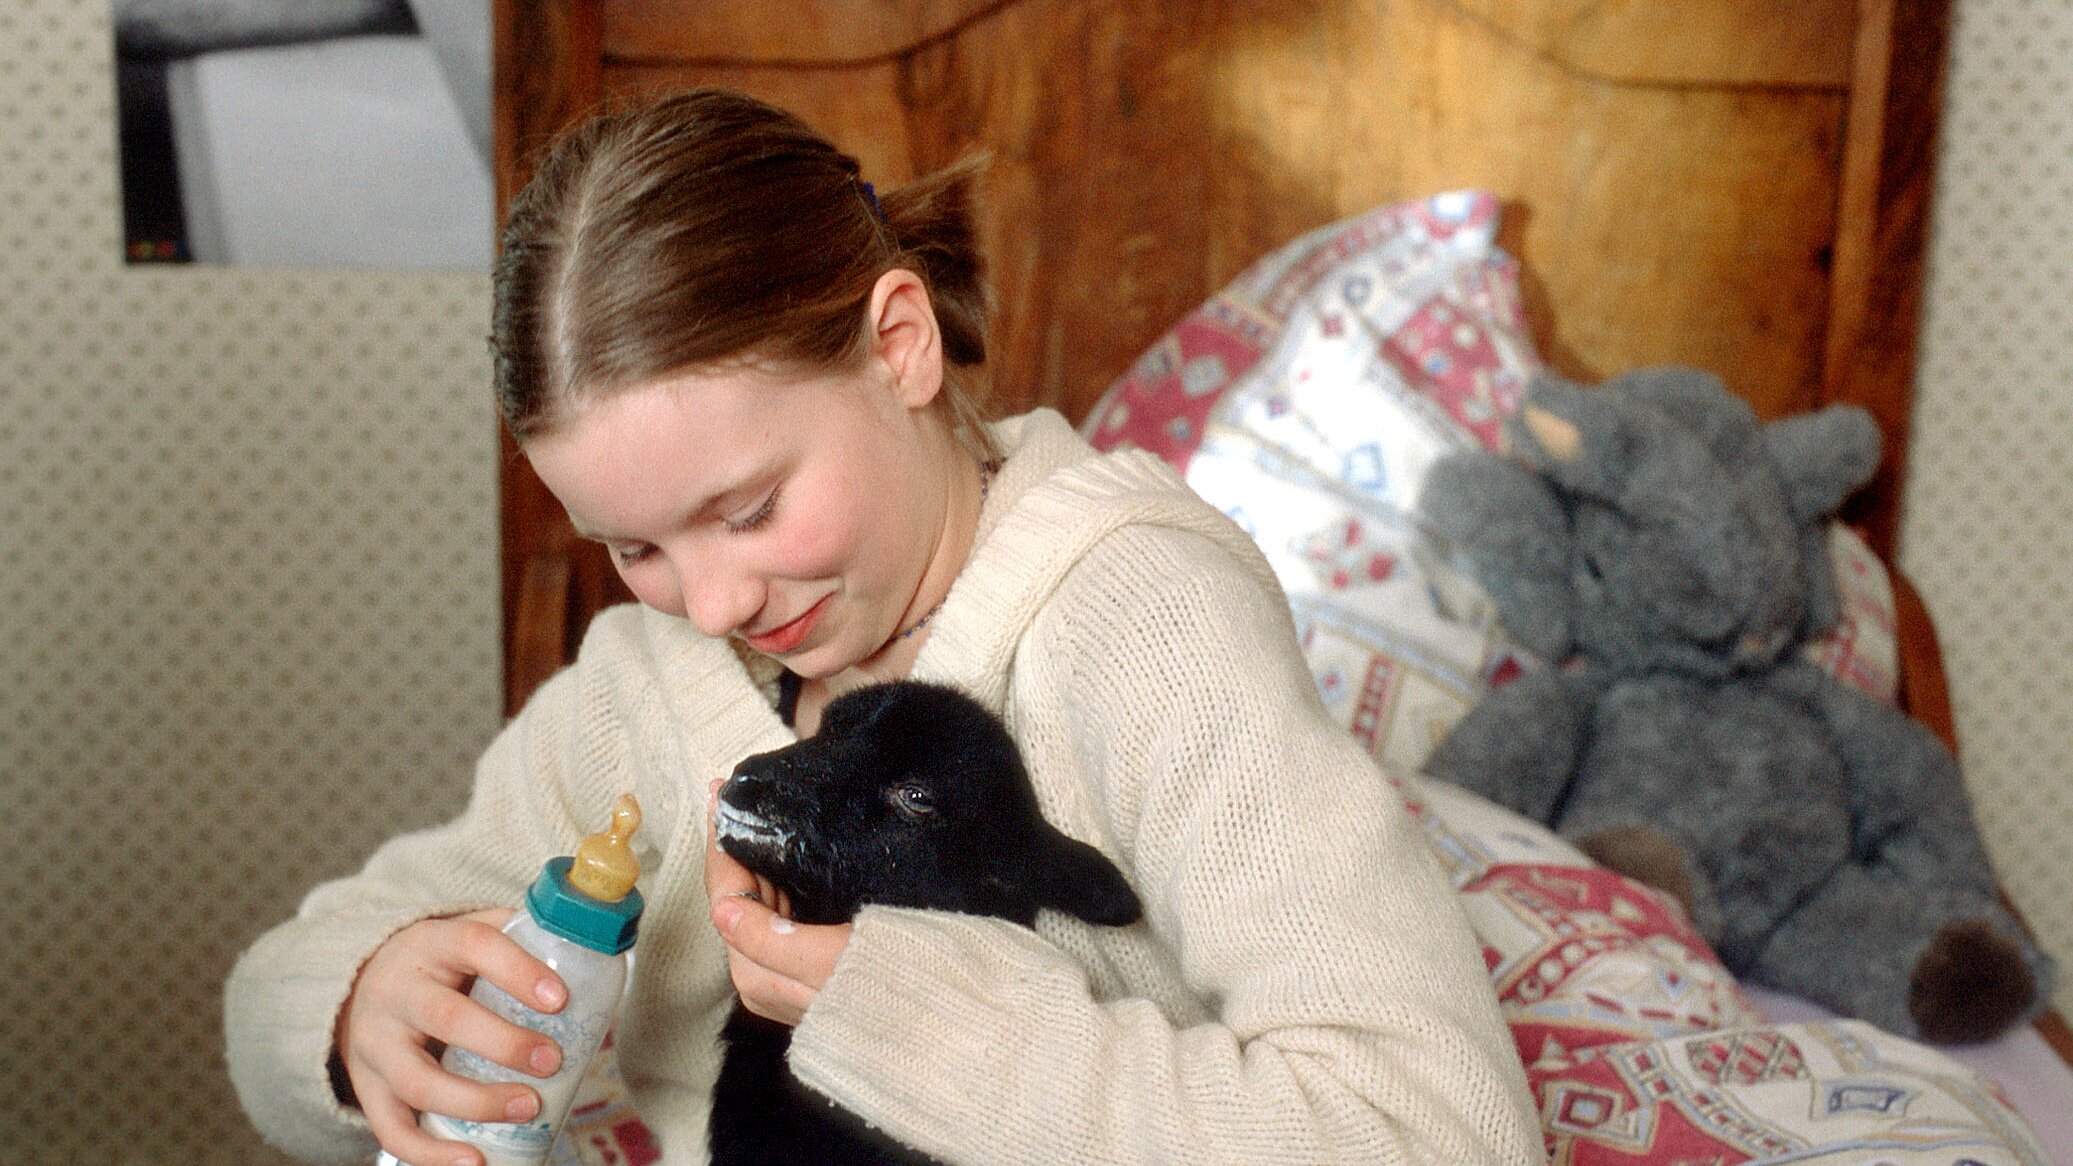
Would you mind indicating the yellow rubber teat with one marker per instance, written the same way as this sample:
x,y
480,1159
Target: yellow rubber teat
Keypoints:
x,y
605,868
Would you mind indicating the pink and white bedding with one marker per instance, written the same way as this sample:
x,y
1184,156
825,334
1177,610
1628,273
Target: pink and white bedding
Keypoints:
x,y
1307,400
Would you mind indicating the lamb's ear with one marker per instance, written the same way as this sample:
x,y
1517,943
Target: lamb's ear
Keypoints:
x,y
1070,876
1511,526
1822,457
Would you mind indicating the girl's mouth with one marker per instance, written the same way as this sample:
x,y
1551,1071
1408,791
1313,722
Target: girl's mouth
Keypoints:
x,y
780,640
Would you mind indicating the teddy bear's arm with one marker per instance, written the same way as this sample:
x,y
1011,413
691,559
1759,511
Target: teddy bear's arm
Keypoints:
x,y
1512,529
1909,810
1519,745
1911,935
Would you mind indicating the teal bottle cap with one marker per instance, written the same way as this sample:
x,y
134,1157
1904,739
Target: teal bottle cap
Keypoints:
x,y
565,911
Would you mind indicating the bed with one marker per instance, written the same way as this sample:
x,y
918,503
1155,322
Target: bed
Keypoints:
x,y
1740,185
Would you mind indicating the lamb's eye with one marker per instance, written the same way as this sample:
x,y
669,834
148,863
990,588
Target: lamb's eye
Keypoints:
x,y
913,802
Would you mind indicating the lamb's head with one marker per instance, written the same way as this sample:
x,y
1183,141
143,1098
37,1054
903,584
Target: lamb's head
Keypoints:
x,y
910,795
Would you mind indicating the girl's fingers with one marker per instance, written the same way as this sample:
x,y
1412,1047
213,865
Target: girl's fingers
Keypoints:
x,y
485,951
453,1019
766,993
411,993
803,952
434,1090
778,966
435,1006
395,1127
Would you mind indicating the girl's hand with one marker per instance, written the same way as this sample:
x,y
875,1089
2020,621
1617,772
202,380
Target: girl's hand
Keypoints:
x,y
778,966
412,992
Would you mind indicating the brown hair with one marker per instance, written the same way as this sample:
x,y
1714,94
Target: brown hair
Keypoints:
x,y
709,227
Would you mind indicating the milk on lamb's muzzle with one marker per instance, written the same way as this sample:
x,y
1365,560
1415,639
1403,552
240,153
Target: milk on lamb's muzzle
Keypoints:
x,y
753,819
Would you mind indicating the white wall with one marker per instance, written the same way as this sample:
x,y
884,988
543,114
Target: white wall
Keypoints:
x,y
1987,527
248,626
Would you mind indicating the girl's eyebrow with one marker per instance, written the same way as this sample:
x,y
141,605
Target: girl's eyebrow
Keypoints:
x,y
705,505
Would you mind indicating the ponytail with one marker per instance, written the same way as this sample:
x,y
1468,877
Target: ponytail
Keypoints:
x,y
932,224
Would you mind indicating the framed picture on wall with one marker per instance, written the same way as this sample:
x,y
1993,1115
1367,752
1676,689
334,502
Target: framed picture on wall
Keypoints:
x,y
305,133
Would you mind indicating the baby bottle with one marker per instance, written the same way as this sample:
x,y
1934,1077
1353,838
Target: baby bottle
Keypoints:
x,y
579,919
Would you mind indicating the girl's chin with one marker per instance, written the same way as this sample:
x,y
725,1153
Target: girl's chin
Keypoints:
x,y
807,666
818,661
826,661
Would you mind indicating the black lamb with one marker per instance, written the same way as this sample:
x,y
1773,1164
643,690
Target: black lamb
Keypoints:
x,y
910,795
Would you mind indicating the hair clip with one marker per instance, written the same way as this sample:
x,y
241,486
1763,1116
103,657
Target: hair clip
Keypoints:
x,y
871,196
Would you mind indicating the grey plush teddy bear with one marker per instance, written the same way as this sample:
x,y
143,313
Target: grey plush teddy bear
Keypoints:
x,y
1671,550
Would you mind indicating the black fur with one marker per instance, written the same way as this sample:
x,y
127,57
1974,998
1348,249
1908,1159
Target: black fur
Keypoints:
x,y
910,795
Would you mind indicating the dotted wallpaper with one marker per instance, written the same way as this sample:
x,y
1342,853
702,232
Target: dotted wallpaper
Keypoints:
x,y
248,589
248,573
1988,527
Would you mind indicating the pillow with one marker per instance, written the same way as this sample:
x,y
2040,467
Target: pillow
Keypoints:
x,y
1308,400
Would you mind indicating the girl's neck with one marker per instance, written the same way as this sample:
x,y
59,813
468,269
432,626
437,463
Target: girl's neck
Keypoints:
x,y
965,487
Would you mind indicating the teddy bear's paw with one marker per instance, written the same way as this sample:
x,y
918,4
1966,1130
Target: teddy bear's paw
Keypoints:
x,y
1645,855
1969,985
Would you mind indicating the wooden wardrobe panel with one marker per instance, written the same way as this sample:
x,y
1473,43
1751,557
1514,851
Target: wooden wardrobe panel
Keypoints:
x,y
1146,152
1707,42
1737,184
1745,42
799,31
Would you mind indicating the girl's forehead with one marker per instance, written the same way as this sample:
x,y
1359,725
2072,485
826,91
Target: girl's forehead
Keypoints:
x,y
684,441
651,443
731,401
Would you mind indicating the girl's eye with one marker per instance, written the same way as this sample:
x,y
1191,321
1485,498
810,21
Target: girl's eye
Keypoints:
x,y
632,556
759,517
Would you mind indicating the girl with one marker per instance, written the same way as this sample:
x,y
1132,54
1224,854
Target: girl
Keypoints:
x,y
748,377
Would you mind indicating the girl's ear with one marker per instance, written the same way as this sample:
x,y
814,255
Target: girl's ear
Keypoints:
x,y
905,337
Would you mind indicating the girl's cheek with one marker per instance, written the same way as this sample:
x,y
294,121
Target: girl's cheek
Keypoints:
x,y
655,589
818,547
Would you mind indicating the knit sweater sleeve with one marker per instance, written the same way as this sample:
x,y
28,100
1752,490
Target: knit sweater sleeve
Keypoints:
x,y
543,782
1346,1015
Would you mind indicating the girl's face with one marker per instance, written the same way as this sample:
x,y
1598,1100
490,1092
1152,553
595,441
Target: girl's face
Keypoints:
x,y
810,515
797,514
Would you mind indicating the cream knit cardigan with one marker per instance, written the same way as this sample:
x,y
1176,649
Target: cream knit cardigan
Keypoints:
x,y
1303,987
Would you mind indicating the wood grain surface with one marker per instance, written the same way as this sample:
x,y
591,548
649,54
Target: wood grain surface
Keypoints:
x,y
1736,184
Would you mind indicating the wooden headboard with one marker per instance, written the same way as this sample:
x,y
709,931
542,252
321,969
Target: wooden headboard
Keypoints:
x,y
1741,185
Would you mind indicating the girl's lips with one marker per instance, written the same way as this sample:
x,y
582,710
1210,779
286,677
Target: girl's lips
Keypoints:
x,y
778,641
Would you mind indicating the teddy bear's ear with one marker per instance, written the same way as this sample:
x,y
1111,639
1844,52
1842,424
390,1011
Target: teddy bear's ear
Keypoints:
x,y
1823,457
1579,440
1513,530
1557,436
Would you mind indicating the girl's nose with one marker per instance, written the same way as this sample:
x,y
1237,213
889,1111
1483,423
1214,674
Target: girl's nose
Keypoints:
x,y
719,602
